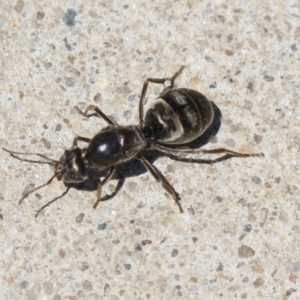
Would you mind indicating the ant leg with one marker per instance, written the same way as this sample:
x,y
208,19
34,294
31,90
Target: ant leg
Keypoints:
x,y
101,183
99,112
198,151
80,138
160,178
145,86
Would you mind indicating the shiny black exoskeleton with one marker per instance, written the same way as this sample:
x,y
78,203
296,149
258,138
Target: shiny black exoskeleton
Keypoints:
x,y
177,117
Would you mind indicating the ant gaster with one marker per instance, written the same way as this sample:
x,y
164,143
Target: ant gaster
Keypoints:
x,y
177,117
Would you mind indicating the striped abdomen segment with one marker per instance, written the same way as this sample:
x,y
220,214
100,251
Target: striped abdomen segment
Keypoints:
x,y
179,116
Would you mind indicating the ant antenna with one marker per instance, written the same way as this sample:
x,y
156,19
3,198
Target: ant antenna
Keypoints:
x,y
50,202
49,162
39,187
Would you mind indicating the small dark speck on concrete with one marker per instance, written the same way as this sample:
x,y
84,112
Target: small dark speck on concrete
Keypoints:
x,y
218,199
131,98
106,289
91,80
138,247
258,138
146,242
294,47
45,126
141,205
24,284
247,227
102,226
290,291
58,127
228,278
221,18
229,38
39,196
268,78
127,114
208,58
256,180
40,15
213,85
62,88
245,280
242,202
1,217
277,179
125,6
163,240
220,267
240,264
70,81
237,73
174,252
46,143
247,104
295,266
131,221
94,57
127,266
69,17
67,44
79,218
19,6
149,59
191,211
250,86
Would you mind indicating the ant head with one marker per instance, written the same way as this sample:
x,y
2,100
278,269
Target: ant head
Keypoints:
x,y
71,167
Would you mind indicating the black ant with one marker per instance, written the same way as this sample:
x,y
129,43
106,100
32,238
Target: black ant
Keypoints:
x,y
177,117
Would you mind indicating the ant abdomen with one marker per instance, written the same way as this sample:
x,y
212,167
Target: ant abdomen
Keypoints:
x,y
179,116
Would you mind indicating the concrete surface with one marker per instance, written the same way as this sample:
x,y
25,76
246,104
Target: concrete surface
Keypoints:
x,y
239,236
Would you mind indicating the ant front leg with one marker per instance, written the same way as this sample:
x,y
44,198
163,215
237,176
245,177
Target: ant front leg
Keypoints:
x,y
98,111
160,178
145,86
101,183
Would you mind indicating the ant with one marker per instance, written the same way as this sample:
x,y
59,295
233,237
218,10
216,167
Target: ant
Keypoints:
x,y
177,117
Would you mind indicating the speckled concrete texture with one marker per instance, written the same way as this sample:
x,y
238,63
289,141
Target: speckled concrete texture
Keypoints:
x,y
239,237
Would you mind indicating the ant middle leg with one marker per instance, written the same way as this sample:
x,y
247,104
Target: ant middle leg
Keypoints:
x,y
200,151
98,111
145,86
101,183
160,178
